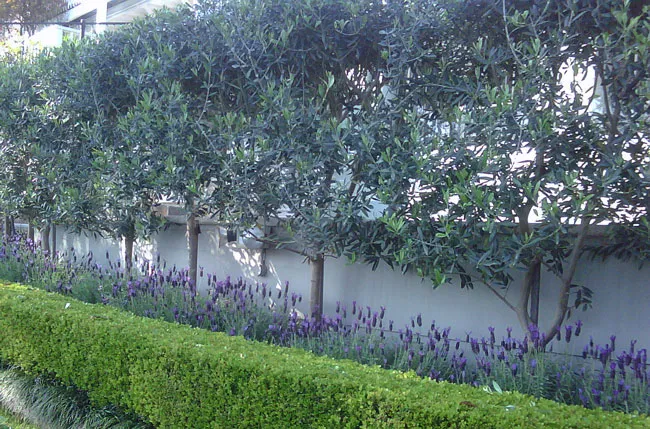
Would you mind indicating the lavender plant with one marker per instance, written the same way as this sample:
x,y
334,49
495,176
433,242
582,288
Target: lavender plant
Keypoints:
x,y
600,376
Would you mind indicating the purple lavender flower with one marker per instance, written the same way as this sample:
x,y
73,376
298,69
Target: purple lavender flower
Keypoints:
x,y
582,397
567,333
620,360
502,354
434,375
462,363
492,337
596,394
474,345
578,328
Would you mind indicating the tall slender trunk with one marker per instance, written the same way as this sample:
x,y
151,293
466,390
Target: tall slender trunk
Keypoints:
x,y
526,308
53,233
45,238
193,230
30,229
128,252
535,281
317,278
528,305
9,227
567,279
129,239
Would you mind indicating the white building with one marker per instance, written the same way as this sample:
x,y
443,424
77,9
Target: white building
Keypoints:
x,y
82,17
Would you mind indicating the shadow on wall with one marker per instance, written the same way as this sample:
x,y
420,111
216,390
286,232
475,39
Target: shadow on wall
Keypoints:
x,y
216,256
82,243
143,250
621,290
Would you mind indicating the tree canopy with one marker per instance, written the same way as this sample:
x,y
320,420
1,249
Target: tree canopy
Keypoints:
x,y
462,141
28,12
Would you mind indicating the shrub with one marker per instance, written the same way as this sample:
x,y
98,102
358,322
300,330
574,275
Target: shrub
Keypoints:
x,y
177,376
608,377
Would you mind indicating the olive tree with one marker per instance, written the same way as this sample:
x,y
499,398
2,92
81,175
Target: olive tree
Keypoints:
x,y
178,74
516,136
87,92
313,75
29,12
27,164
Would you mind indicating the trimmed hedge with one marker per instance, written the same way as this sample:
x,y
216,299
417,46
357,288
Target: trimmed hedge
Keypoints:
x,y
179,377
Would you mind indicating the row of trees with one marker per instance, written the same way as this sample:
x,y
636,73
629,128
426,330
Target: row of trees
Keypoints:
x,y
26,14
457,139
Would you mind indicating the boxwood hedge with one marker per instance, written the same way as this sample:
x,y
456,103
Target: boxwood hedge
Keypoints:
x,y
179,377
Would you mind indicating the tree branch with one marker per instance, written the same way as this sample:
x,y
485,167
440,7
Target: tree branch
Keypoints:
x,y
567,278
501,297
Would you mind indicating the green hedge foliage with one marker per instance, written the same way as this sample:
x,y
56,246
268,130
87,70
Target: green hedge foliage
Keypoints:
x,y
179,377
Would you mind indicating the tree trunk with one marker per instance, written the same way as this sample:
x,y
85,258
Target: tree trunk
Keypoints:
x,y
9,227
128,252
45,239
129,239
193,230
535,279
567,279
316,293
527,308
53,233
30,230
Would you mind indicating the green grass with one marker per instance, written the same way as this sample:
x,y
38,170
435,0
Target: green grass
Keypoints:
x,y
48,404
9,421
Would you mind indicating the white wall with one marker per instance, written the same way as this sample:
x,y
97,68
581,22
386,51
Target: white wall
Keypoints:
x,y
621,290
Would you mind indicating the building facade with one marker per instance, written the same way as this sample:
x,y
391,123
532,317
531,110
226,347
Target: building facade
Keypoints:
x,y
85,17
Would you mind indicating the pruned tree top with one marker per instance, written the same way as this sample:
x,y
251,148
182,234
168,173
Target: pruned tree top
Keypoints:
x,y
30,13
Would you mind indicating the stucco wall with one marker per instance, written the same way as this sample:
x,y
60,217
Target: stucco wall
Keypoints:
x,y
621,291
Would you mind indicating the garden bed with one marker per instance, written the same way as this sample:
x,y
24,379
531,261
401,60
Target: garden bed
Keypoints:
x,y
177,376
